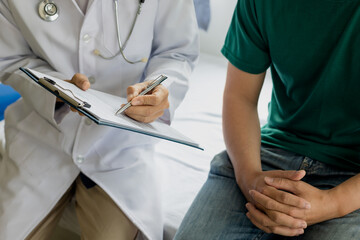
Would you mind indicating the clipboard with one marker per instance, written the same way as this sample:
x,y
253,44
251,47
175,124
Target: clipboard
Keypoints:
x,y
59,92
91,103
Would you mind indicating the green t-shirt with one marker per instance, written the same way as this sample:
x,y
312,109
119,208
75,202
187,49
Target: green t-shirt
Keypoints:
x,y
313,49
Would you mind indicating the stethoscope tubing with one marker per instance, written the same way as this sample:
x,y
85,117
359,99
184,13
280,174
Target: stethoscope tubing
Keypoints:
x,y
52,16
121,46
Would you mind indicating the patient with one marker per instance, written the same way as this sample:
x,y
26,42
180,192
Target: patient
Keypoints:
x,y
298,174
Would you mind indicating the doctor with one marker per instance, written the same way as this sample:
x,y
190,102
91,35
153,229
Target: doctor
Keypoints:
x,y
52,153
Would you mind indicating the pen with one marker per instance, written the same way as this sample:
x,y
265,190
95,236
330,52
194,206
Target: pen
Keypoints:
x,y
150,87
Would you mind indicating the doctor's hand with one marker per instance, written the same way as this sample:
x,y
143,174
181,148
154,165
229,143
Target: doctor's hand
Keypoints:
x,y
149,107
82,82
277,211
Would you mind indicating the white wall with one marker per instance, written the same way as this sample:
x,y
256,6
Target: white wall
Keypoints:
x,y
221,14
212,41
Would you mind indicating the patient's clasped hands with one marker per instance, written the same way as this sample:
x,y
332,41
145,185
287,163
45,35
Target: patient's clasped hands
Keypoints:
x,y
277,211
280,203
146,108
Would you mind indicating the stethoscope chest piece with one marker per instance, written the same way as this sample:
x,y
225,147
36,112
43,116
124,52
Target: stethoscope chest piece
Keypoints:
x,y
48,11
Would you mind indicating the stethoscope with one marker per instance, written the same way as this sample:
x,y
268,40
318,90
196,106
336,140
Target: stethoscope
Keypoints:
x,y
49,12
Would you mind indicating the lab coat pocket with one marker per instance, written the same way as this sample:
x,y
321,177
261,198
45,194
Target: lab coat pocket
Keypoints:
x,y
20,148
40,129
31,156
35,145
33,132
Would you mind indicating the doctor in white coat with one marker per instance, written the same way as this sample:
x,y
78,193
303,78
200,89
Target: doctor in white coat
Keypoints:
x,y
48,147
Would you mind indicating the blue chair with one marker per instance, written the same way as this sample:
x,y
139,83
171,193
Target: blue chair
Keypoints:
x,y
7,96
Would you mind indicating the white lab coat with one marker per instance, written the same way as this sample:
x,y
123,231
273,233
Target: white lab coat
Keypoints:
x,y
46,150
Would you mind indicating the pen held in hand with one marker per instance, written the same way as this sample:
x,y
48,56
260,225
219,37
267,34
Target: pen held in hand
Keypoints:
x,y
150,87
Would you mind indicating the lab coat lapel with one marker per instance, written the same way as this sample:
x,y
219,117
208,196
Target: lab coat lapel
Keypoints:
x,y
89,6
78,7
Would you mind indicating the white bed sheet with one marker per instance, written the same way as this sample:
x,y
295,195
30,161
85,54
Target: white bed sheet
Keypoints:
x,y
182,169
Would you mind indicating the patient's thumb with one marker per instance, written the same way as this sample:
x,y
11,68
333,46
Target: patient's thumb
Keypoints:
x,y
293,175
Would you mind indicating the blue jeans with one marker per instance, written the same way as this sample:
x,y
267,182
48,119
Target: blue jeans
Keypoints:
x,y
218,211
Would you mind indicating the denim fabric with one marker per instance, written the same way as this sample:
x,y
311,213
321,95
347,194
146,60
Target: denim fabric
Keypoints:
x,y
218,211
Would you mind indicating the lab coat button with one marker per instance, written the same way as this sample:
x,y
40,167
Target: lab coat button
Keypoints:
x,y
80,159
92,80
88,122
86,38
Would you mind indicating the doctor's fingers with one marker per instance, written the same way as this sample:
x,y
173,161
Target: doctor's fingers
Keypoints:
x,y
74,110
134,90
159,96
81,81
145,114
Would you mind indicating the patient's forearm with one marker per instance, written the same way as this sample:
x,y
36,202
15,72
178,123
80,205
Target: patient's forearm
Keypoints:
x,y
242,137
241,122
347,195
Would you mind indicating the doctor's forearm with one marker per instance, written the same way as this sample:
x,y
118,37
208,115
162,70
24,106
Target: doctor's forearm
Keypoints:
x,y
177,83
174,52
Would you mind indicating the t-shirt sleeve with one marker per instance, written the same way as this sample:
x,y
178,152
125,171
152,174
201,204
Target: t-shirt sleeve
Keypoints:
x,y
244,46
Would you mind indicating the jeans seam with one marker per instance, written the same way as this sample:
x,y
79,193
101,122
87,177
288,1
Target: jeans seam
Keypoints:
x,y
306,164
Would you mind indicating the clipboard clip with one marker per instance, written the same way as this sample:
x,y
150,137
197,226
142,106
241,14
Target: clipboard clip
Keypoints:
x,y
59,91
